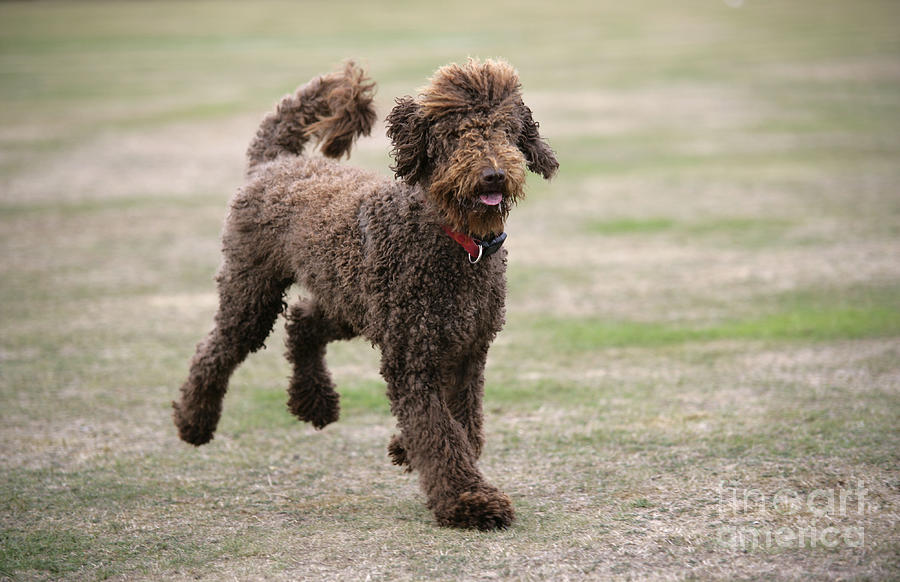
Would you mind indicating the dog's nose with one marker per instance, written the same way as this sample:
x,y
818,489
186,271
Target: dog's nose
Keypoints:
x,y
492,177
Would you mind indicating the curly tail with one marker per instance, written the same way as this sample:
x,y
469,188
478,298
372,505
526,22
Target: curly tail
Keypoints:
x,y
334,109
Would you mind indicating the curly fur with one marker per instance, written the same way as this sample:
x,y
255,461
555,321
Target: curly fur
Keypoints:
x,y
374,261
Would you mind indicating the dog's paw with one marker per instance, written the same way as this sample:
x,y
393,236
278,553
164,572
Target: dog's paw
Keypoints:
x,y
398,453
318,408
484,508
195,429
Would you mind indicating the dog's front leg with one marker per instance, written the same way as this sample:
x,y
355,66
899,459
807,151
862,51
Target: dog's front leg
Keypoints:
x,y
464,393
437,446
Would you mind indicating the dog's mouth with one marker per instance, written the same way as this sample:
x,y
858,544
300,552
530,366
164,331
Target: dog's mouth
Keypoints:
x,y
491,198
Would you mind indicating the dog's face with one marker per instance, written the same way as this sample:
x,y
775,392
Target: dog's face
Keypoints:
x,y
467,139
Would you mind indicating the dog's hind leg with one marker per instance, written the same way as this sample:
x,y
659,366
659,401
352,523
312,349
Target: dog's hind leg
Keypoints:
x,y
249,302
312,397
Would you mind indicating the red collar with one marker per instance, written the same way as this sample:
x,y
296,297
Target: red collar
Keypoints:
x,y
477,249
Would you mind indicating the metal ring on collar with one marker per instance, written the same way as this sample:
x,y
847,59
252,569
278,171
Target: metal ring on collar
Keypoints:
x,y
480,252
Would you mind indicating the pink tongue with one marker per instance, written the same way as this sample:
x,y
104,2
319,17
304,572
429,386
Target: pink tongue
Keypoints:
x,y
492,198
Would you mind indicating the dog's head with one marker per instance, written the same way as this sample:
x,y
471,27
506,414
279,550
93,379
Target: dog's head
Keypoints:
x,y
467,139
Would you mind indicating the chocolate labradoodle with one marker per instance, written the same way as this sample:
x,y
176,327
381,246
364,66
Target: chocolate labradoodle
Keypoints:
x,y
414,265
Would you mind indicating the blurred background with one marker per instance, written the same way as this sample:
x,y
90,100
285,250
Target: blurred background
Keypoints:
x,y
707,293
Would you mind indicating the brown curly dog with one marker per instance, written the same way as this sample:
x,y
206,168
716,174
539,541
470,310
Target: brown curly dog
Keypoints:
x,y
411,265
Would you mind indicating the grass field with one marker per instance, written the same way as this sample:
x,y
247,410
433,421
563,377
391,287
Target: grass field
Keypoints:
x,y
700,373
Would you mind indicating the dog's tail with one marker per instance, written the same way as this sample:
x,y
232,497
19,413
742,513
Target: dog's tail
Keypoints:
x,y
334,109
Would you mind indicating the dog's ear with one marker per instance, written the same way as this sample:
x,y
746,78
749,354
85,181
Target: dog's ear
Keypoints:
x,y
540,158
407,129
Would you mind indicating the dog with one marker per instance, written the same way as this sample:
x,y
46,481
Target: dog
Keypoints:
x,y
415,265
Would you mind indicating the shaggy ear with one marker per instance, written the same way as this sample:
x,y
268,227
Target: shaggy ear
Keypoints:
x,y
538,154
407,129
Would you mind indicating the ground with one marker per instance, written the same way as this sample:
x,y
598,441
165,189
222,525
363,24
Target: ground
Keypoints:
x,y
700,375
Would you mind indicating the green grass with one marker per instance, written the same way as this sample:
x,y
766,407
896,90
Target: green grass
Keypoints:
x,y
56,553
734,231
707,293
804,323
267,406
631,226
